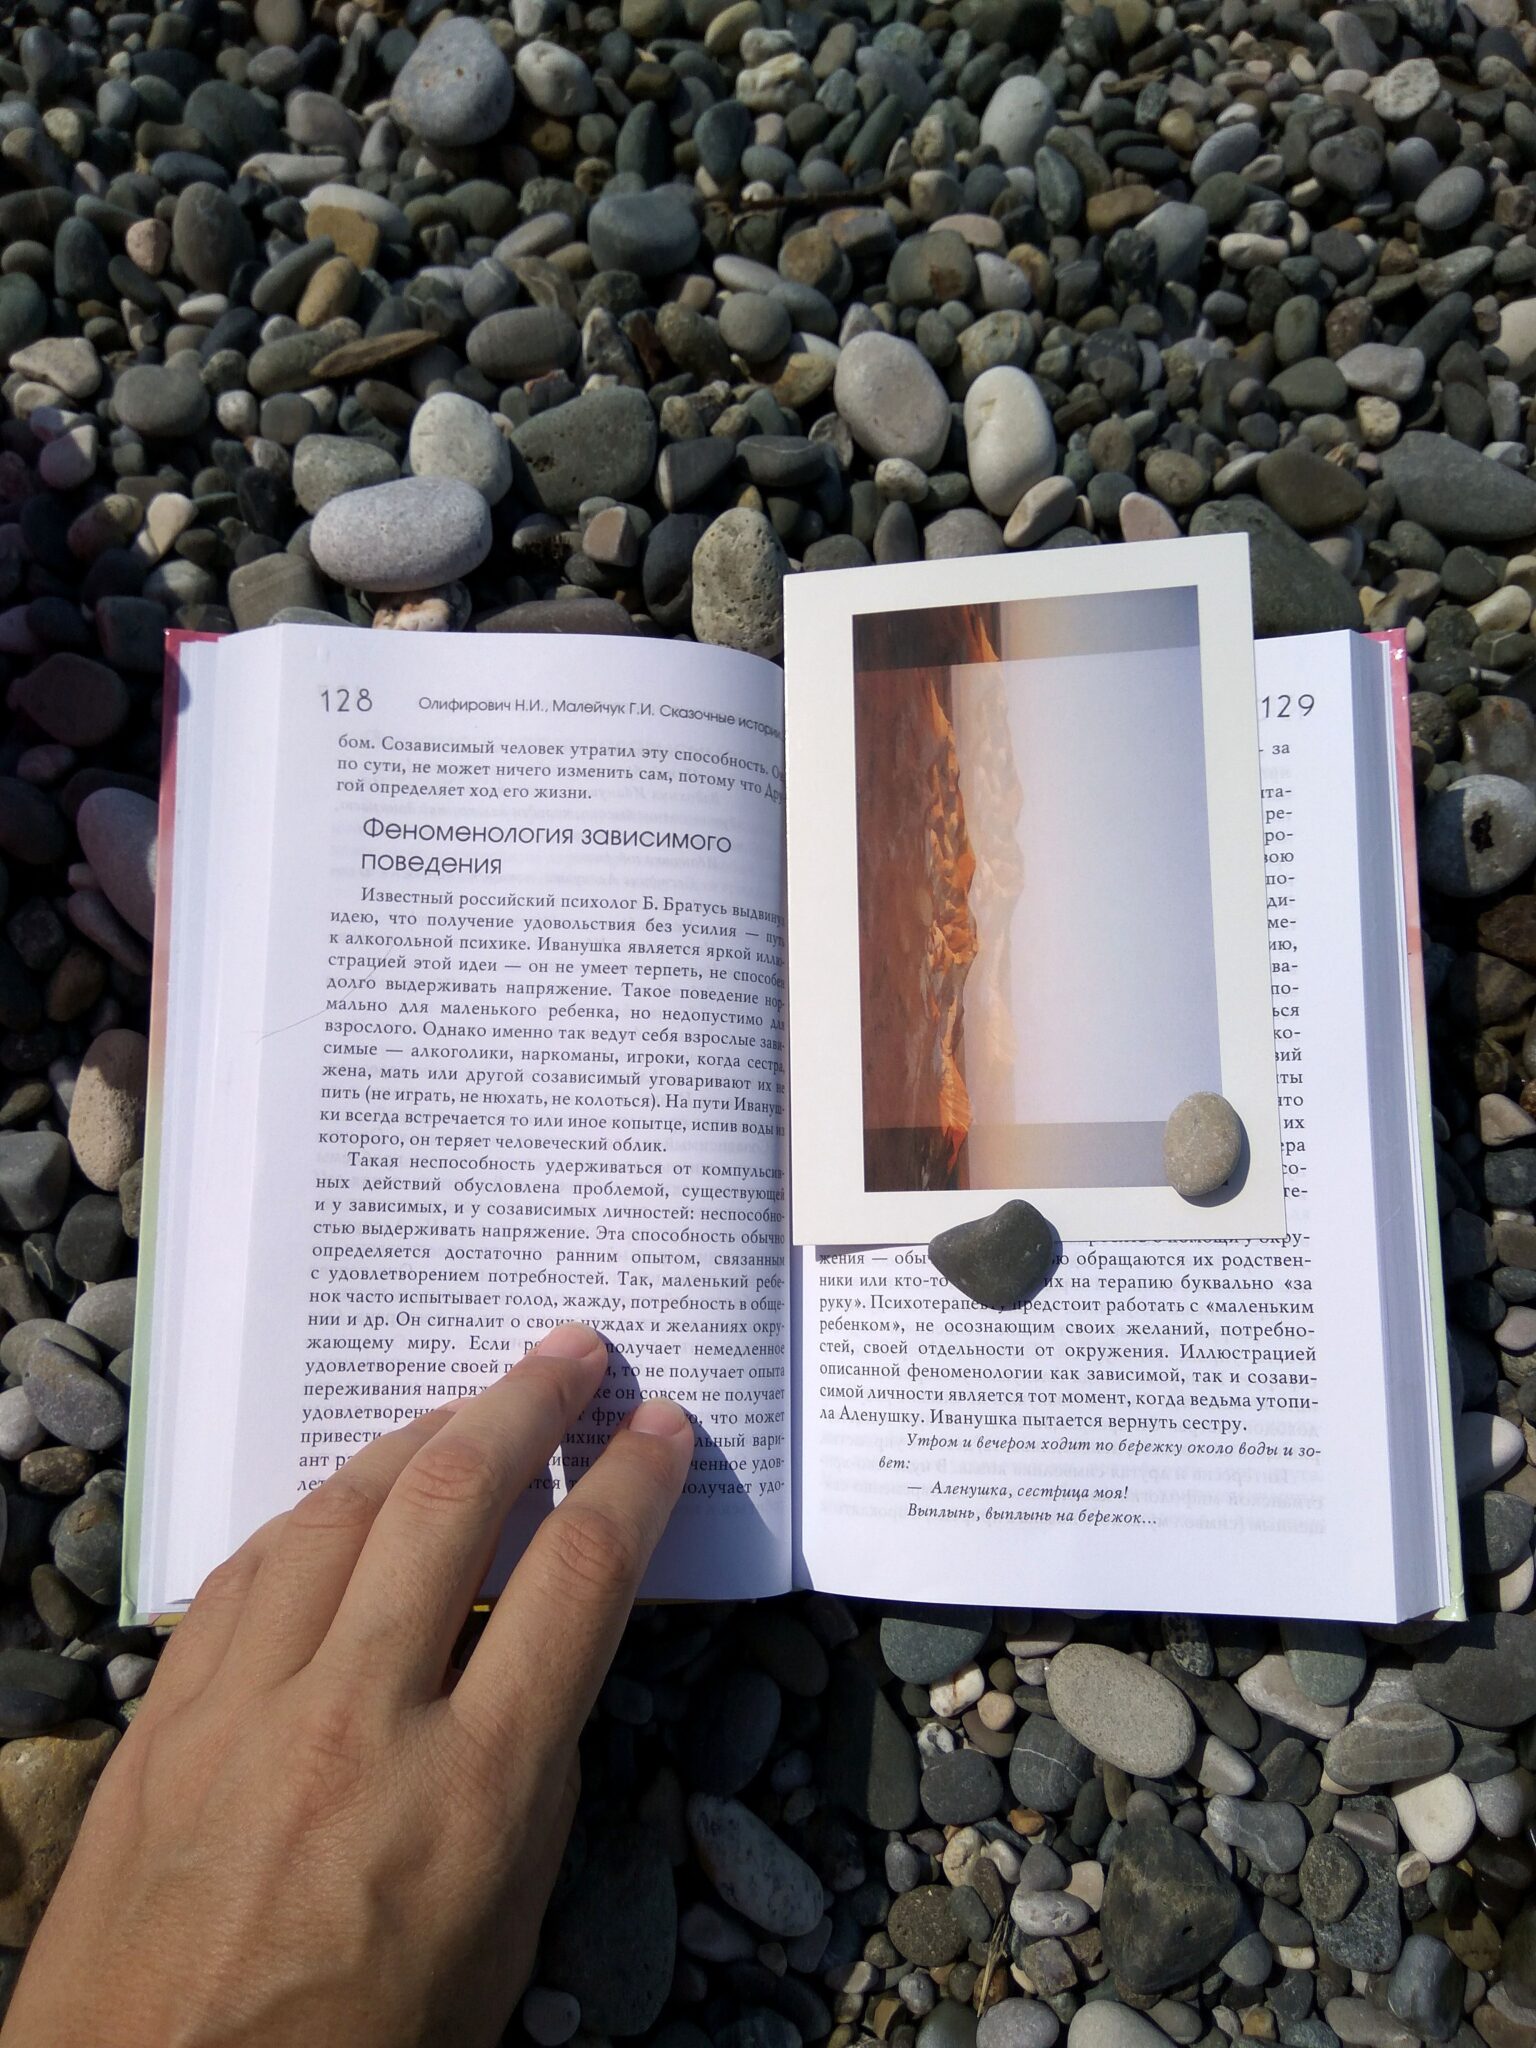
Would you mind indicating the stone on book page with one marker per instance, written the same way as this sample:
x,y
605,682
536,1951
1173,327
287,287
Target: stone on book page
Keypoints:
x,y
1202,1144
998,1260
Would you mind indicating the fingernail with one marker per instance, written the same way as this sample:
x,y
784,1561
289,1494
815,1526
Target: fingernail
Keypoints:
x,y
575,1342
659,1418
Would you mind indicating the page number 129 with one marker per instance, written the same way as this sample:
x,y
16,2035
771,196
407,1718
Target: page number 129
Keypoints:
x,y
359,700
1282,707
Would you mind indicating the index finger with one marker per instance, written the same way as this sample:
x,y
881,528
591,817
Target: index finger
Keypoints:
x,y
566,1603
432,1540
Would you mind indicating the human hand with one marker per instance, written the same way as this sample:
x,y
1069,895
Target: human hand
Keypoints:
x,y
310,1833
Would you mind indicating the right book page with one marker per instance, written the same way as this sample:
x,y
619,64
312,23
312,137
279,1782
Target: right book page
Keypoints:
x,y
1216,1427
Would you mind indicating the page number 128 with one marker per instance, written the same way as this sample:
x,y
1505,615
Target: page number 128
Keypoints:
x,y
1282,707
362,700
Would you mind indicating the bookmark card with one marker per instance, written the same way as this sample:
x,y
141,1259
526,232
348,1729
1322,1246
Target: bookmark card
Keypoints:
x,y
1027,891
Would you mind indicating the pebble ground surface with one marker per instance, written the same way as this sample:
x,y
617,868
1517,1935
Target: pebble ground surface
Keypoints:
x,y
608,317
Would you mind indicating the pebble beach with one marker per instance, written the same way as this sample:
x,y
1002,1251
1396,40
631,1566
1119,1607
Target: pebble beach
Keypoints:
x,y
605,319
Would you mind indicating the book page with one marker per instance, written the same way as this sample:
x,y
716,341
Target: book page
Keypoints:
x,y
519,1062
1166,1425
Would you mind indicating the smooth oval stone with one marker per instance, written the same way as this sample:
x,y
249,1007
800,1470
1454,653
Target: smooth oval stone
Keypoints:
x,y
949,2025
455,436
1045,1916
1327,1659
751,1869
1271,1833
998,1260
891,399
456,88
1458,493
325,465
648,233
1018,118
1331,1879
1010,439
415,534
611,1935
119,832
1294,589
1122,1709
1108,2024
38,1690
1404,1740
1202,1144
1047,1766
732,1732
160,403
75,700
868,1760
1437,1815
73,1403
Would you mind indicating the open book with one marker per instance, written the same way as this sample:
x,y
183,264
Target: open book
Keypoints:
x,y
471,1016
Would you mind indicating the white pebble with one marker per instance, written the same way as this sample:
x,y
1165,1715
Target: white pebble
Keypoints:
x,y
1437,1815
955,1694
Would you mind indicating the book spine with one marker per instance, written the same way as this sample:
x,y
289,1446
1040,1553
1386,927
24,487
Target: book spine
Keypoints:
x,y
138,1409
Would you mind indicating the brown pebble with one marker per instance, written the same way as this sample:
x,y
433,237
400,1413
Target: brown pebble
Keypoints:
x,y
45,1783
331,292
369,351
353,235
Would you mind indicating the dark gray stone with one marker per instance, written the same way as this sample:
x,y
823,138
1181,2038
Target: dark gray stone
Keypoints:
x,y
959,1788
611,1937
926,1644
1294,589
1458,493
1169,1909
1047,1767
999,1260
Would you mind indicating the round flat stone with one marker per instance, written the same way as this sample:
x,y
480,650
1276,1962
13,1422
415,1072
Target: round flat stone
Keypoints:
x,y
412,535
1202,1144
959,1788
1121,1709
923,1929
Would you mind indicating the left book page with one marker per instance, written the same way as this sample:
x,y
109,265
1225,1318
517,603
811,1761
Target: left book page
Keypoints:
x,y
471,1023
